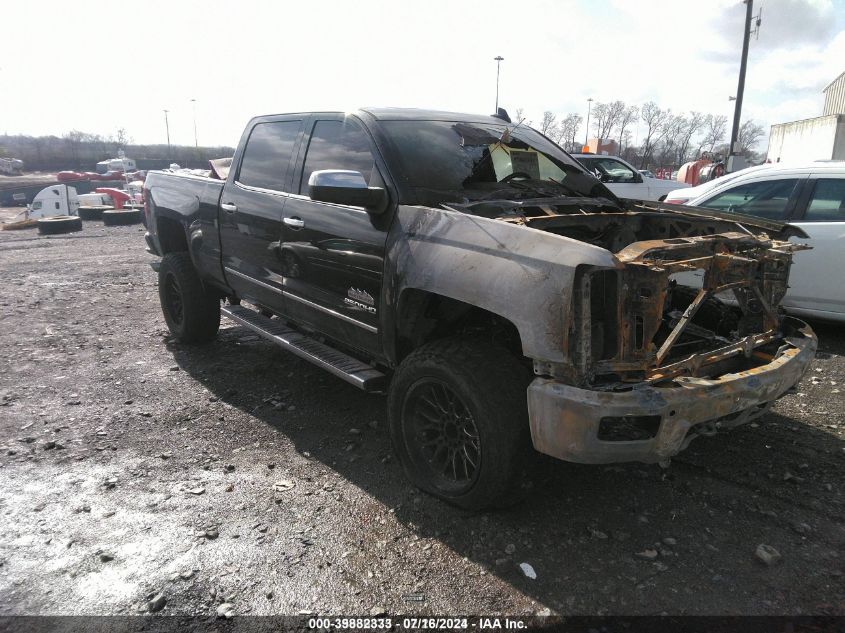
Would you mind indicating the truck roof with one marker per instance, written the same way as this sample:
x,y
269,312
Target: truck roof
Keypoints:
x,y
417,114
404,114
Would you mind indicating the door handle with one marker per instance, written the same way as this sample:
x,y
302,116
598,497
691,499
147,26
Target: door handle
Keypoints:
x,y
294,222
228,207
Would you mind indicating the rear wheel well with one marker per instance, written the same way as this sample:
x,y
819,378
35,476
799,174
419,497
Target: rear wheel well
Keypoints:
x,y
171,236
424,317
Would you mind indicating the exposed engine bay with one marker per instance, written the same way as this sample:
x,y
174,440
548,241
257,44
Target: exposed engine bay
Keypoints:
x,y
635,323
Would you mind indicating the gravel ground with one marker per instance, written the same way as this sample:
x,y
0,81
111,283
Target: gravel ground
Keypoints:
x,y
139,474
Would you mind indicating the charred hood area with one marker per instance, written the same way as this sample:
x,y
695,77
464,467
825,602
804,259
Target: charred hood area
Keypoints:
x,y
635,323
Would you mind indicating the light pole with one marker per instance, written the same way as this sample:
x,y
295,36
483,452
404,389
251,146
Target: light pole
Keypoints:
x,y
587,133
167,128
498,59
194,105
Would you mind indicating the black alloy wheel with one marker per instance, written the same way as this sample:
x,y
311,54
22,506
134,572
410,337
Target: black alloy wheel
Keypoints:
x,y
442,436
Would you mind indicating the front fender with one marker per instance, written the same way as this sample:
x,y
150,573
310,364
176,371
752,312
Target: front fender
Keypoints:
x,y
523,275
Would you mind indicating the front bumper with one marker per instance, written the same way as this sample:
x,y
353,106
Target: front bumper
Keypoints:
x,y
565,420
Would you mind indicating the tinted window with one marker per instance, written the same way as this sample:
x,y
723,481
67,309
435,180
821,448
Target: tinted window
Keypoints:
x,y
828,202
765,199
337,145
267,155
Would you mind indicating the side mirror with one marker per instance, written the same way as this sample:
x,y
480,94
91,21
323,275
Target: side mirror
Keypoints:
x,y
341,186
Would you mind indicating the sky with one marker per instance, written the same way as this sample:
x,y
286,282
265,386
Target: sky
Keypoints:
x,y
98,67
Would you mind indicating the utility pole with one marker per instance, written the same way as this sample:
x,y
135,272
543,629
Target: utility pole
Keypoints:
x,y
587,133
194,104
498,59
167,127
749,9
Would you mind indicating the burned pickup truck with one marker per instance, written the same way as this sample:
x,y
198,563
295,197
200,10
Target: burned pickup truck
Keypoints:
x,y
495,290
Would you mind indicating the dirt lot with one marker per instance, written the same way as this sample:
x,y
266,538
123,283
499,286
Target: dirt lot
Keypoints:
x,y
135,469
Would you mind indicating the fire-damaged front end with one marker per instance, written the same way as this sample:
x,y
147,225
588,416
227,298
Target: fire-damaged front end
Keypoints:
x,y
653,363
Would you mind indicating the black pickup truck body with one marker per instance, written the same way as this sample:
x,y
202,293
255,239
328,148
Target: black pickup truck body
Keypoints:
x,y
543,261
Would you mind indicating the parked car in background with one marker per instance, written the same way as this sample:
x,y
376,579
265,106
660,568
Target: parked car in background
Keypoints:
x,y
685,194
647,173
810,196
623,179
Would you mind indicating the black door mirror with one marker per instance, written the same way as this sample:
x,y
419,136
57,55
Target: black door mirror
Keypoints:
x,y
341,186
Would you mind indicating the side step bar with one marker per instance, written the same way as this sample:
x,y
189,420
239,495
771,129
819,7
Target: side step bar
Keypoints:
x,y
341,365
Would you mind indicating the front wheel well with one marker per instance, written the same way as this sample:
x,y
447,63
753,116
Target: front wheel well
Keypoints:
x,y
423,317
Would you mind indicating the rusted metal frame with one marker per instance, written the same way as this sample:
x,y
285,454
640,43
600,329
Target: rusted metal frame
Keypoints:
x,y
682,265
696,361
735,284
675,334
637,251
773,317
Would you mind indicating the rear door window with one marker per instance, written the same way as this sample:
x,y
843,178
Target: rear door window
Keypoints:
x,y
337,145
827,203
267,155
768,199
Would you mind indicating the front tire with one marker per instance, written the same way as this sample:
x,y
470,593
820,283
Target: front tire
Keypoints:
x,y
459,422
191,311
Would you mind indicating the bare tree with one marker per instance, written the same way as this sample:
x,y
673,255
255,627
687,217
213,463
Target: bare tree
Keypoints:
x,y
123,138
676,126
625,140
656,121
749,134
626,119
714,131
548,124
569,128
520,115
607,116
691,126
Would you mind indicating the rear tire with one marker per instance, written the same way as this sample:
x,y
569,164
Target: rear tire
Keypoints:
x,y
121,218
458,418
191,311
59,225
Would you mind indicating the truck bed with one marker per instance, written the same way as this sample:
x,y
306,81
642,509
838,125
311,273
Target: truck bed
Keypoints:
x,y
192,201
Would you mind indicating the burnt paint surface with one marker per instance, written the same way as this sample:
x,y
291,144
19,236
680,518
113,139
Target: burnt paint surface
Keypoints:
x,y
518,273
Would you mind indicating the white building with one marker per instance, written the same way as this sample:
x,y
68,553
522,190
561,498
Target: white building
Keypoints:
x,y
819,138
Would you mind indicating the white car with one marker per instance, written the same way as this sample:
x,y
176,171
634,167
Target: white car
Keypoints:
x,y
684,195
810,196
624,180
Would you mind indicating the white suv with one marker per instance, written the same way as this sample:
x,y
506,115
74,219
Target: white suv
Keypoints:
x,y
812,197
623,179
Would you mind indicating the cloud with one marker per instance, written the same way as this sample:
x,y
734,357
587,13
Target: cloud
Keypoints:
x,y
785,23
